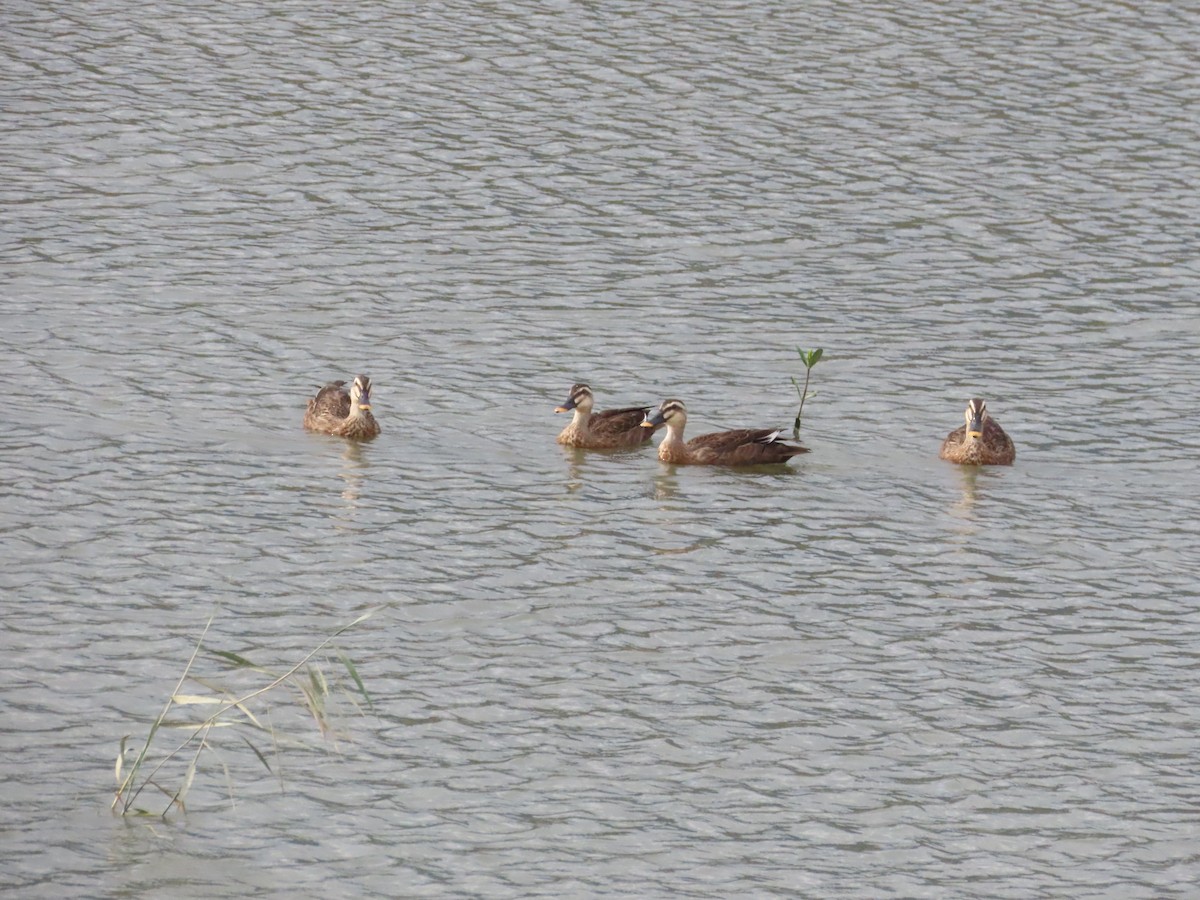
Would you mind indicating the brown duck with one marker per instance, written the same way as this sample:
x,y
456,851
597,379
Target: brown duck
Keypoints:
x,y
343,413
980,442
606,430
741,447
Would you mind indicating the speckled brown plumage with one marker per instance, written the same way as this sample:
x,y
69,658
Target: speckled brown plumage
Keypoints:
x,y
739,447
342,413
609,429
979,442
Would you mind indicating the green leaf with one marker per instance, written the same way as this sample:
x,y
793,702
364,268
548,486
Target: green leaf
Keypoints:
x,y
320,686
234,658
362,688
262,759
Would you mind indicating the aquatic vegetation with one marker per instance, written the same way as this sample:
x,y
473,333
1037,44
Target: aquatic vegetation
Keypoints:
x,y
810,358
305,680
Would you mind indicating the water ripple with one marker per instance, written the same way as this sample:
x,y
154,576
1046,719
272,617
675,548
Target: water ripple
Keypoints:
x,y
873,674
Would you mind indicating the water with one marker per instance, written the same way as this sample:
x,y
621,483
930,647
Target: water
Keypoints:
x,y
871,674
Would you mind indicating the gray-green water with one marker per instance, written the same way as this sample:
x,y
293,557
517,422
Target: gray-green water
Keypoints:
x,y
872,674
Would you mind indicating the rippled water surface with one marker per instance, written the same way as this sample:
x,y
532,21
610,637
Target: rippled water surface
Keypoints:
x,y
868,674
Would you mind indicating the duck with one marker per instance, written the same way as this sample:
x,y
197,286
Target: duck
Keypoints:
x,y
980,442
609,429
739,447
343,413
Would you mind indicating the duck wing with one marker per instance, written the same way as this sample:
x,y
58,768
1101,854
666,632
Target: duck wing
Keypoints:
x,y
617,421
331,402
998,442
743,447
957,436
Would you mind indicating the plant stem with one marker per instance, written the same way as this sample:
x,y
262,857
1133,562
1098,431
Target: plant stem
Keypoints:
x,y
803,396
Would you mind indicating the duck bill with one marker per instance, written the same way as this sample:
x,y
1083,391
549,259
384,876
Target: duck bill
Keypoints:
x,y
975,428
566,407
364,404
653,420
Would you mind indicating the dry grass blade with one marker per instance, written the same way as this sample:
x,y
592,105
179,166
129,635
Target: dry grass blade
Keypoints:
x,y
195,699
120,759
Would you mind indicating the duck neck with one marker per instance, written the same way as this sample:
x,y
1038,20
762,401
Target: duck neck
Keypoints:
x,y
673,443
579,421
